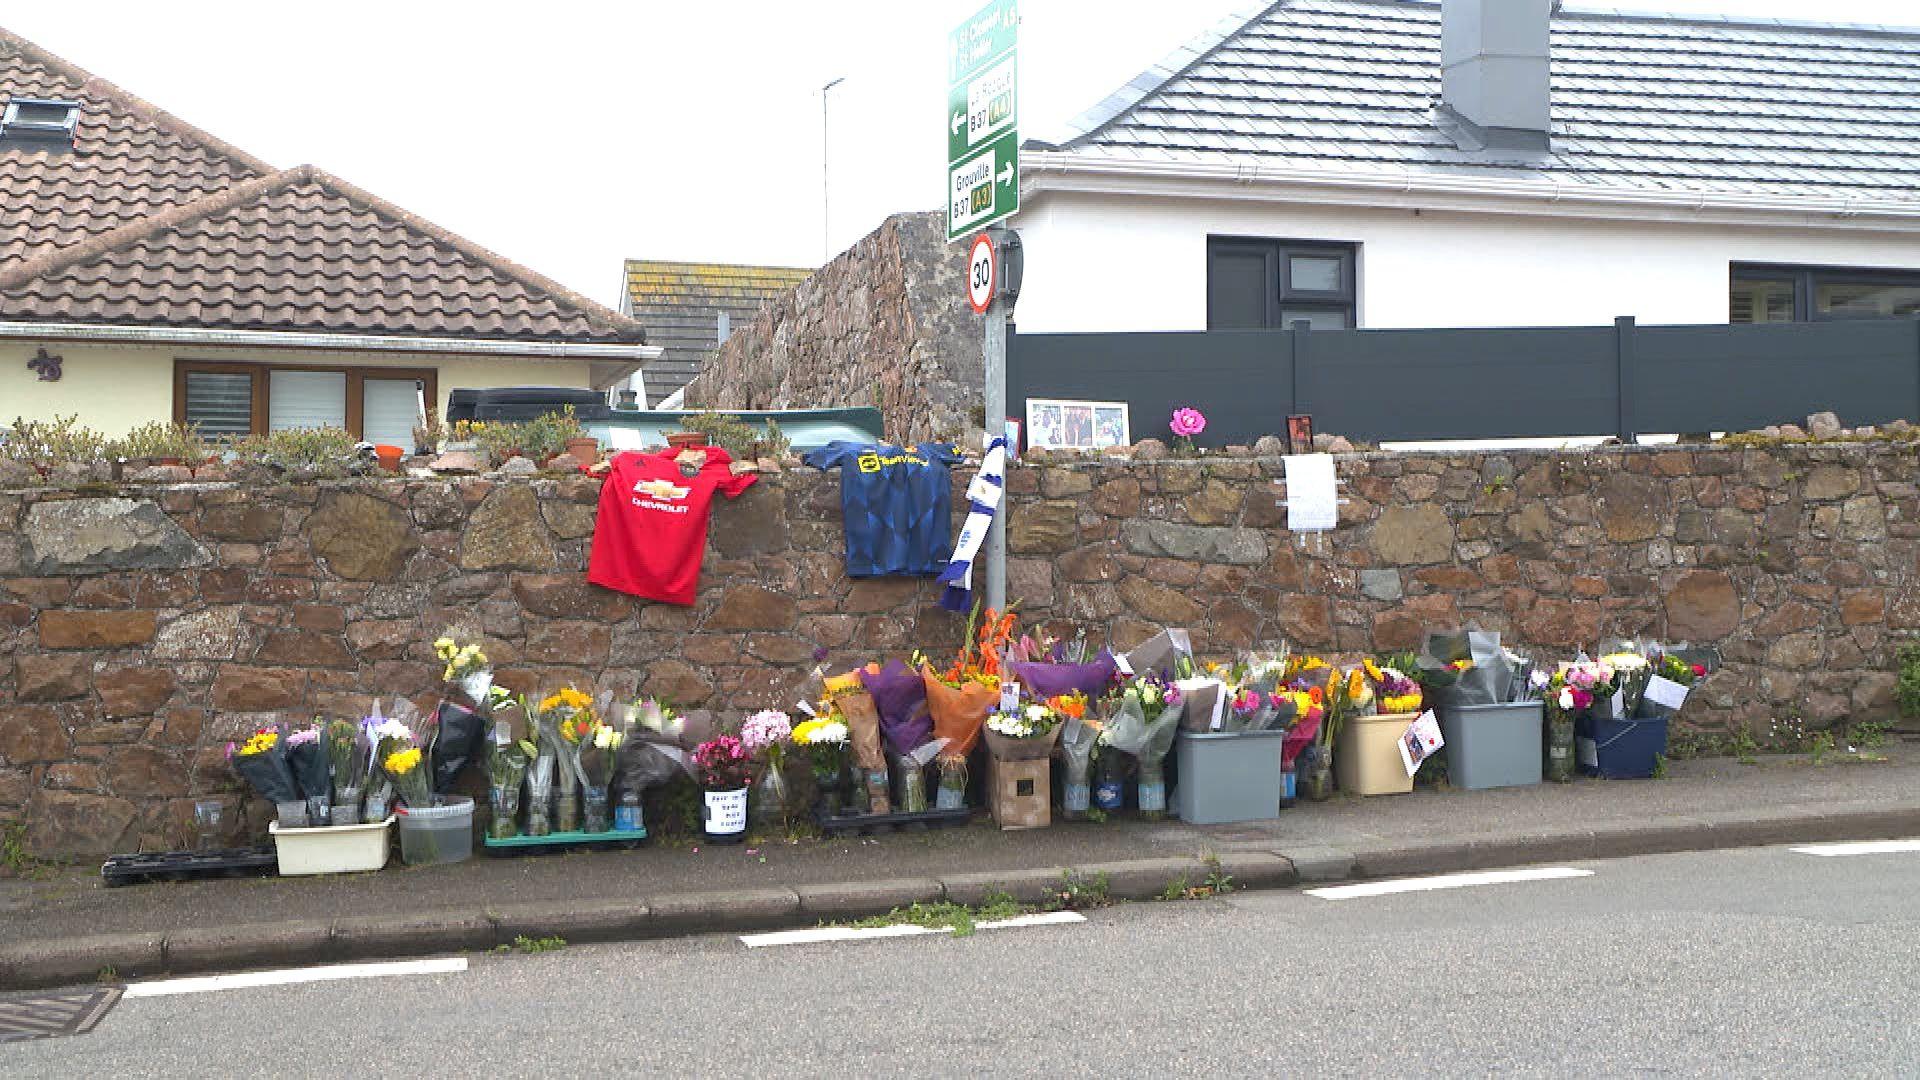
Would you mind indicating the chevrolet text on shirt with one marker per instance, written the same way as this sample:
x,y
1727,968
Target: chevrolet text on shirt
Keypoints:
x,y
652,530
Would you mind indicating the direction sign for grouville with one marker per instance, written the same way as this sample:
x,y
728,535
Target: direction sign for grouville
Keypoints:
x,y
982,120
984,188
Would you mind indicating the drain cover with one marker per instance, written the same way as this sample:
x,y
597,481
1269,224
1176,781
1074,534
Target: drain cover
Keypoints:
x,y
46,1016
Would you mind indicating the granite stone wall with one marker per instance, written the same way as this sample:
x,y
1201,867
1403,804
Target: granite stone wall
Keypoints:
x,y
885,324
142,629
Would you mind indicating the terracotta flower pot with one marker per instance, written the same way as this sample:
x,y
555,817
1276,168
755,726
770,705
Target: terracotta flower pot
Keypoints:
x,y
585,449
685,440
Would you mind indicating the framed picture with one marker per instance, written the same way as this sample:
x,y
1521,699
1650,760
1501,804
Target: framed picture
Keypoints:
x,y
1076,425
1300,434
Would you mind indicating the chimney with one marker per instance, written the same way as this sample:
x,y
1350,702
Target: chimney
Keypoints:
x,y
1493,56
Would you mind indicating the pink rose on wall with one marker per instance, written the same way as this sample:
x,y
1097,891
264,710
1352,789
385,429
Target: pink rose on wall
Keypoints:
x,y
1188,422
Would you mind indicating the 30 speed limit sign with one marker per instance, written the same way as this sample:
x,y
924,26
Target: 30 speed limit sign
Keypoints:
x,y
983,272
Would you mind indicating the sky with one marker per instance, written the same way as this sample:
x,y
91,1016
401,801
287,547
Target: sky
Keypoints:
x,y
568,135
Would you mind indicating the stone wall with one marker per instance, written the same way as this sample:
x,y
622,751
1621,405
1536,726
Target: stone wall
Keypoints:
x,y
885,324
140,632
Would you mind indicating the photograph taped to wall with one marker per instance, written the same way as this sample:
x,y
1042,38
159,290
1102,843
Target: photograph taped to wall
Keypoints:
x,y
1077,425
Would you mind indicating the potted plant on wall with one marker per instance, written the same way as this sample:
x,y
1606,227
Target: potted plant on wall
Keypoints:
x,y
723,767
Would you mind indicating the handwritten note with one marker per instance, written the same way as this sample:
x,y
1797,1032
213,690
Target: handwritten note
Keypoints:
x,y
1666,692
1312,504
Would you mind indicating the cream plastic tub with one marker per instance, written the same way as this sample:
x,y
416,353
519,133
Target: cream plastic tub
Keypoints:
x,y
334,849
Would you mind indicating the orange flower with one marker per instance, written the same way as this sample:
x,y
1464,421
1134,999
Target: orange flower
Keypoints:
x,y
1318,694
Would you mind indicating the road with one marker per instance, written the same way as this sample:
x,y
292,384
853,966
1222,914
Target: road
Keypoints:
x,y
1759,961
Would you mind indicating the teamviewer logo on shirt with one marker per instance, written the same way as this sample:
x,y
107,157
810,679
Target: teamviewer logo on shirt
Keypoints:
x,y
661,495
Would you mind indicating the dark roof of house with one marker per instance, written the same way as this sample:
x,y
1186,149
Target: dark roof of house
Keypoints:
x,y
1651,102
149,221
680,304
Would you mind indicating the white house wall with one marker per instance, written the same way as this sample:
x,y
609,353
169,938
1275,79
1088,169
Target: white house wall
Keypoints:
x,y
1127,263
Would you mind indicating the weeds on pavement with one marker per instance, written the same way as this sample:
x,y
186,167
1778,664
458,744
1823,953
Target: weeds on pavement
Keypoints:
x,y
529,946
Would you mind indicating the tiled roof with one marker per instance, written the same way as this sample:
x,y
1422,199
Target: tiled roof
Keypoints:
x,y
1638,101
149,222
129,162
680,305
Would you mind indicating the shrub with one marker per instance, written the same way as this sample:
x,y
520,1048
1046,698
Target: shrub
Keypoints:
x,y
162,440
730,433
1906,692
324,448
51,442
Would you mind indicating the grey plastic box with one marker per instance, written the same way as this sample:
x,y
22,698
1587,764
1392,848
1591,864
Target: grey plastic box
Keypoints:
x,y
1491,746
1229,776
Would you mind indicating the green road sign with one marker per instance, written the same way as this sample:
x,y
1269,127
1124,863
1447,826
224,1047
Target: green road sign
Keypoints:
x,y
980,40
982,120
984,188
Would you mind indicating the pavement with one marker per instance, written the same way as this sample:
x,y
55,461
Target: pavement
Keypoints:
x,y
68,928
1749,962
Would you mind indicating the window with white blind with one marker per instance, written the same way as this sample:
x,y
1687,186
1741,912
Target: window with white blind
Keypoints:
x,y
389,410
1763,293
380,405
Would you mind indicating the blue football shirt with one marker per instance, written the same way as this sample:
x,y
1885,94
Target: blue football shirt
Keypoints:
x,y
897,505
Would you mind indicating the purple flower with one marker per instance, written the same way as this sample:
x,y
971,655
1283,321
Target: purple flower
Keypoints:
x,y
819,654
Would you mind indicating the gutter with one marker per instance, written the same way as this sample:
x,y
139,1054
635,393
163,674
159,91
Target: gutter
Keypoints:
x,y
1052,170
277,339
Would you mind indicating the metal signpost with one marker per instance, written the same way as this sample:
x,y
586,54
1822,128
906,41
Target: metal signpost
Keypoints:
x,y
983,189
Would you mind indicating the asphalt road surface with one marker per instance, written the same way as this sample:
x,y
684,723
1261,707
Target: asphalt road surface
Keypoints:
x,y
1755,962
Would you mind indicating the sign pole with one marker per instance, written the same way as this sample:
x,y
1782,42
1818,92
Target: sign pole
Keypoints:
x,y
994,355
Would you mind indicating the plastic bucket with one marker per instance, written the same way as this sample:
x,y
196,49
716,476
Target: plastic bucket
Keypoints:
x,y
442,833
1366,755
1227,776
1491,746
1621,749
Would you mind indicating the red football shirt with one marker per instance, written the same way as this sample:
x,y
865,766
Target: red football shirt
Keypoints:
x,y
652,529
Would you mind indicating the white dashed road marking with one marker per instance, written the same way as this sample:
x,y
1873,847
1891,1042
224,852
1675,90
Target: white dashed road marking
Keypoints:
x,y
849,933
1446,881
288,976
1863,847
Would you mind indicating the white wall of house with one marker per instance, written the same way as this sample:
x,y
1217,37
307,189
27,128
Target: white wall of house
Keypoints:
x,y
114,388
1097,261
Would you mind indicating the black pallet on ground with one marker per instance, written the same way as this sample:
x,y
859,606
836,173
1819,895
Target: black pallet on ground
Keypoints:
x,y
187,865
862,824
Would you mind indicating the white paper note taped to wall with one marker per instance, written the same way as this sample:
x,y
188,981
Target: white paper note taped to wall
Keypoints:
x,y
1312,504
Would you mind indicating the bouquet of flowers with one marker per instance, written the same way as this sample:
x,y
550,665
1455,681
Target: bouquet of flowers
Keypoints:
x,y
563,719
1395,693
348,758
722,764
312,770
765,737
900,695
824,740
1467,668
1027,732
262,762
1580,686
599,749
1077,743
1631,670
962,697
467,668
1144,726
405,767
506,766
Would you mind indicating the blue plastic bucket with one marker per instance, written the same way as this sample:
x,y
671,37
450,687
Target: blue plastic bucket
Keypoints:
x,y
1620,749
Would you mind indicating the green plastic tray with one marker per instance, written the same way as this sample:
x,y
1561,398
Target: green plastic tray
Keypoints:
x,y
528,845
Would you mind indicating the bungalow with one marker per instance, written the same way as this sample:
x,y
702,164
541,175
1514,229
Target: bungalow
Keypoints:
x,y
1405,163
149,271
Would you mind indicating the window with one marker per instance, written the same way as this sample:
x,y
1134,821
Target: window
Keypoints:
x,y
1273,284
380,405
39,119
1817,293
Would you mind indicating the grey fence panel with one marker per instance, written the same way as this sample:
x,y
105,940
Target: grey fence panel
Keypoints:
x,y
1241,380
1736,378
1392,385
1382,385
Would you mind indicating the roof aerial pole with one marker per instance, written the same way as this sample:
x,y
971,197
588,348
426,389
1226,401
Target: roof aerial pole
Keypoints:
x,y
826,201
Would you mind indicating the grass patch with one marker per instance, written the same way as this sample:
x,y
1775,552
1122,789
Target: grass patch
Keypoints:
x,y
15,861
528,946
947,915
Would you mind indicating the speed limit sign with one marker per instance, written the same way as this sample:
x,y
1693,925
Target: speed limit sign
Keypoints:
x,y
983,272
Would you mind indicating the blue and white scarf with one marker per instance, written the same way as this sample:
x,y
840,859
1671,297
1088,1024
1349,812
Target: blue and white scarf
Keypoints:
x,y
983,499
